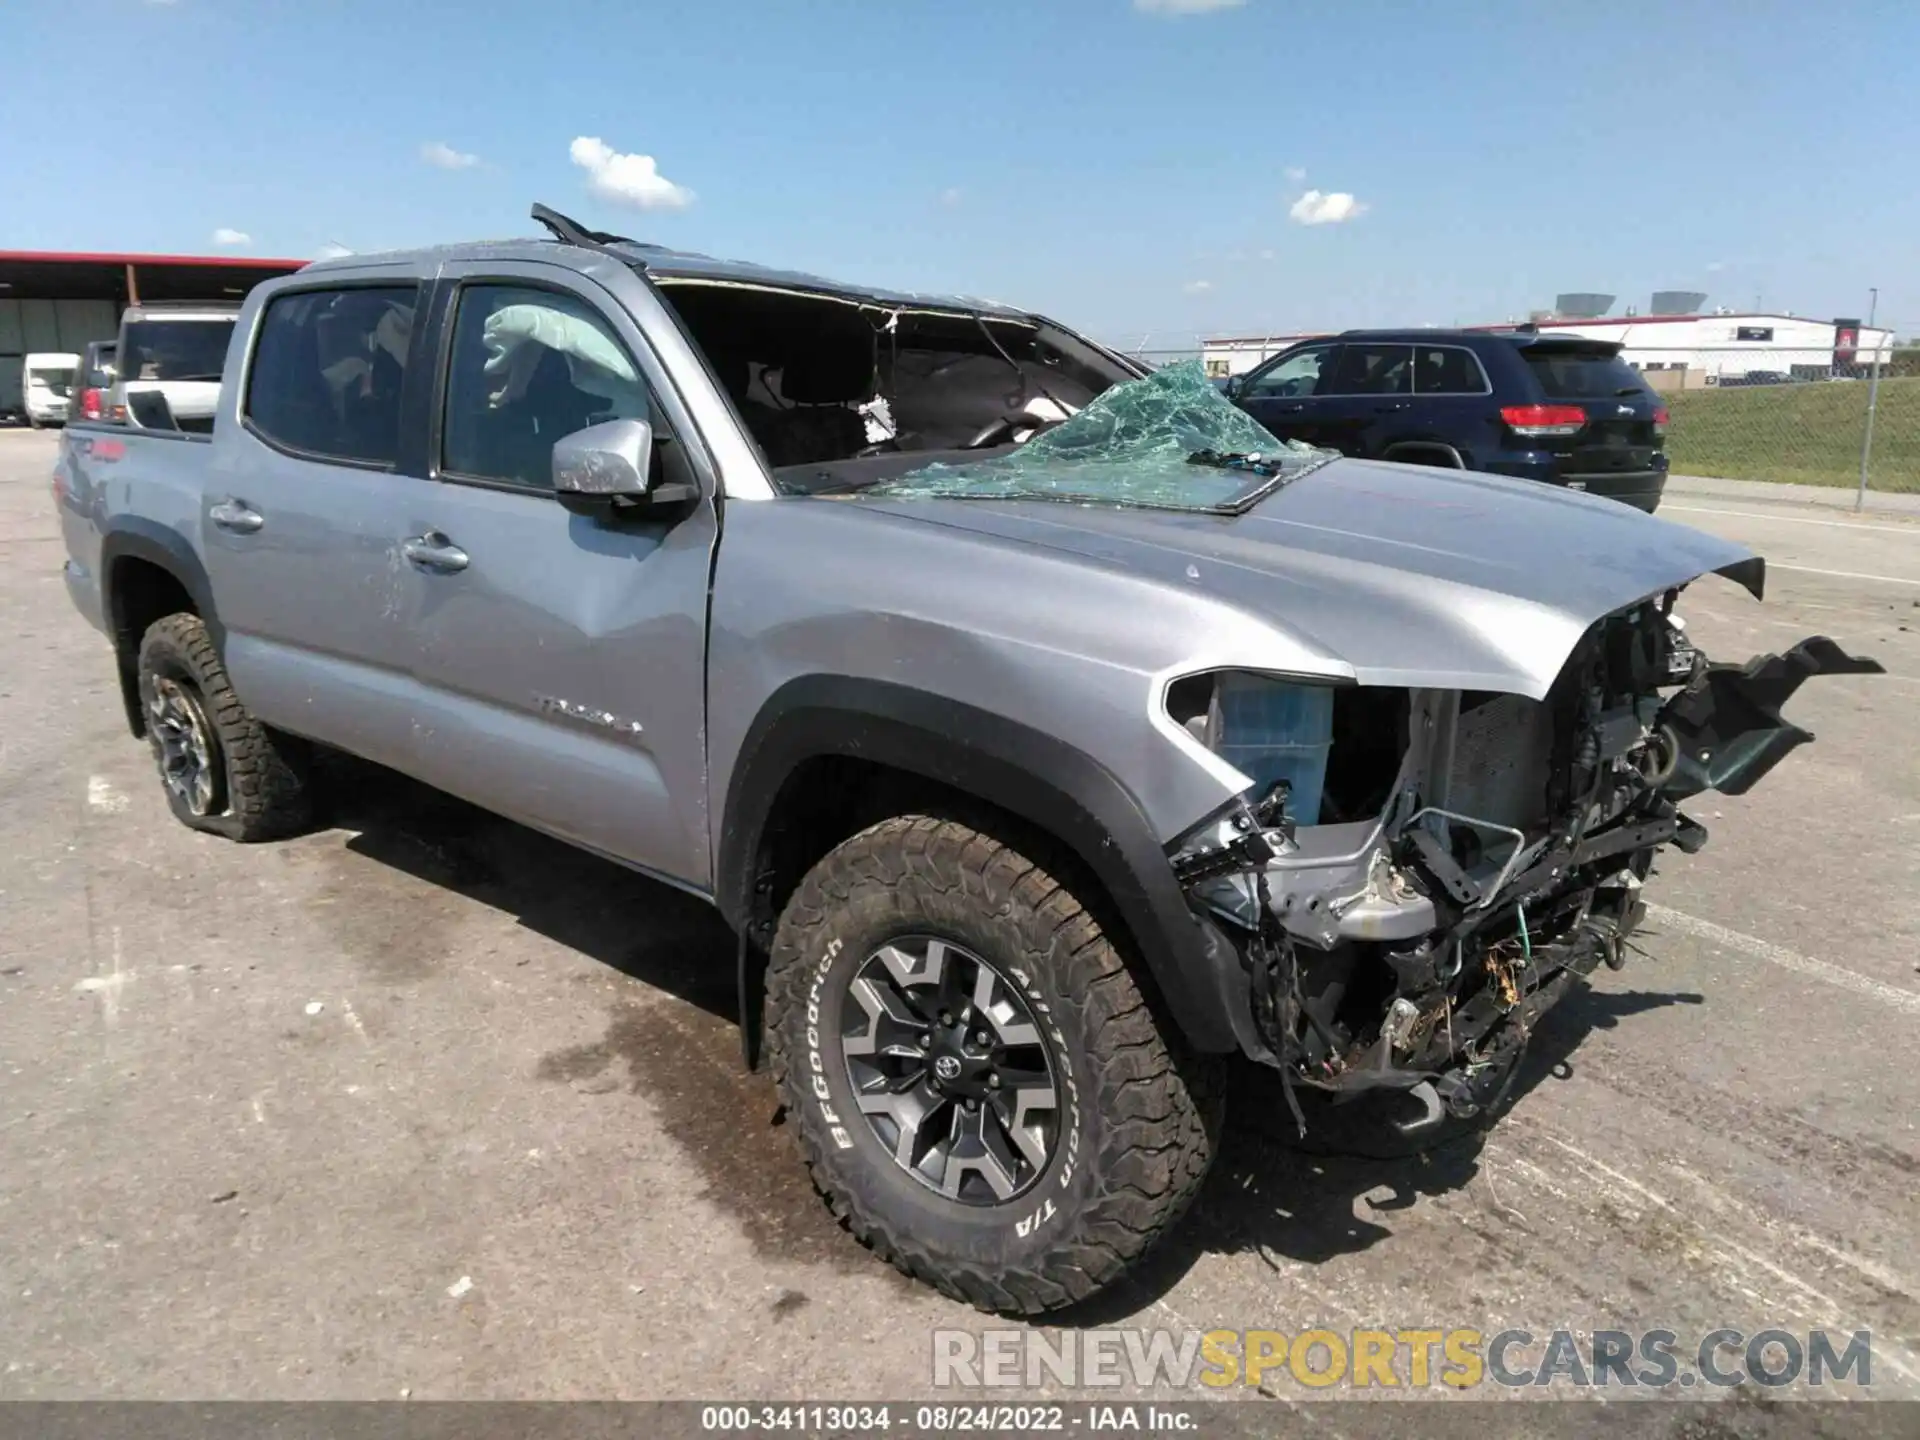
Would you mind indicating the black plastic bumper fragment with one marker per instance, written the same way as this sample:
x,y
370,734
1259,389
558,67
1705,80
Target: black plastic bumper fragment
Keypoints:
x,y
1728,726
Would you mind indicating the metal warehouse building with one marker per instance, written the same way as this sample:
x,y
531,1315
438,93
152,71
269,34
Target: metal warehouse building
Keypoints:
x,y
1692,350
58,302
1706,349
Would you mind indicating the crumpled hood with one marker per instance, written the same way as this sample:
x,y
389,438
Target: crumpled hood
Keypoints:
x,y
1390,574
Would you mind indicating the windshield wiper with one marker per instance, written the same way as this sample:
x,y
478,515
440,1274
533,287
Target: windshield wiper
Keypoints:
x,y
1274,476
1236,460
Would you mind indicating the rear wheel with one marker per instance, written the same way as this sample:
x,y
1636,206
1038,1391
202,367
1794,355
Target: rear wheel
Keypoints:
x,y
222,770
979,1087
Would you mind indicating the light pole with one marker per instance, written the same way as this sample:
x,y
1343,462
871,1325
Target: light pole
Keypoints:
x,y
1873,402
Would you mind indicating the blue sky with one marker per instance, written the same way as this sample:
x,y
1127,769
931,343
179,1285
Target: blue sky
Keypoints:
x,y
1134,167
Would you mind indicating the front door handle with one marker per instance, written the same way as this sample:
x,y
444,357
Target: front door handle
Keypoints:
x,y
237,516
434,551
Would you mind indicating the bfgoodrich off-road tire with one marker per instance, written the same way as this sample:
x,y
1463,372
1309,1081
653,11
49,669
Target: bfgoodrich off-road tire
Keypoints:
x,y
222,771
1134,1122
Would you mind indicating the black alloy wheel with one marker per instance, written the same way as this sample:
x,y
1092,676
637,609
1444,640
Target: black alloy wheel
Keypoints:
x,y
951,1069
185,747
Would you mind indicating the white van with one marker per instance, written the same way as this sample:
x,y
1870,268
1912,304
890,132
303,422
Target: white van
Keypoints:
x,y
46,387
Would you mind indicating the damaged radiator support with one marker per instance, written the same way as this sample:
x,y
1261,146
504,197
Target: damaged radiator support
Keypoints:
x,y
1416,951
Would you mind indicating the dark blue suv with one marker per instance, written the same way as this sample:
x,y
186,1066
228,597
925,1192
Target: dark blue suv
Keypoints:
x,y
1560,409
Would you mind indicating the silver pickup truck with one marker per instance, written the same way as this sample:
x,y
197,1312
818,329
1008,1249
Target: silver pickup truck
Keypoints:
x,y
1047,738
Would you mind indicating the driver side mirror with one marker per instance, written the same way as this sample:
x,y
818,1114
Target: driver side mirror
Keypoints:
x,y
606,468
1235,384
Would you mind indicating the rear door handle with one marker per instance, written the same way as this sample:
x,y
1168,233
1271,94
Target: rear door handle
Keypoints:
x,y
236,516
1389,409
434,551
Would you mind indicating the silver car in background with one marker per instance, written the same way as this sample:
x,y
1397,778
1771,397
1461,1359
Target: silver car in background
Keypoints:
x,y
171,353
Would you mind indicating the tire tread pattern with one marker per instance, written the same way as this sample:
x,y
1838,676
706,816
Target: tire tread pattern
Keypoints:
x,y
266,777
1159,1111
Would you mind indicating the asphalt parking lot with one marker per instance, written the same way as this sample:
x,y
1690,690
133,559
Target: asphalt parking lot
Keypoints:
x,y
424,1104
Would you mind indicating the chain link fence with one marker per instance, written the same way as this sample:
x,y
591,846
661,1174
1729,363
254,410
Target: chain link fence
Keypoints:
x,y
1159,356
1741,416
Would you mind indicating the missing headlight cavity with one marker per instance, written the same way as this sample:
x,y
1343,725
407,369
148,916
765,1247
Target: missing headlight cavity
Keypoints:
x,y
1335,747
1443,865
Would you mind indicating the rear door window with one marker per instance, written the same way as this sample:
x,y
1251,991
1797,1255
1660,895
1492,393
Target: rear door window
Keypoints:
x,y
1581,374
1447,370
161,349
327,372
1366,369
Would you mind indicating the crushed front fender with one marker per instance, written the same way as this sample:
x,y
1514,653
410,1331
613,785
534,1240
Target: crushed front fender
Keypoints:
x,y
1726,727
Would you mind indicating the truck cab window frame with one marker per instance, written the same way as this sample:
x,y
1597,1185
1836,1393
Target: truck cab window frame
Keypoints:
x,y
353,375
521,366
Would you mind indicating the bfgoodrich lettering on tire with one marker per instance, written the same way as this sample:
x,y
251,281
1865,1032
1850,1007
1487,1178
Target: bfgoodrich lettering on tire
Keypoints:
x,y
222,770
980,1089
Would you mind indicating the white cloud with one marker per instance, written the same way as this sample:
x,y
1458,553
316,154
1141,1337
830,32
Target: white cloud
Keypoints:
x,y
1325,208
1184,7
332,251
1714,265
1266,254
950,196
1295,173
445,157
626,179
226,236
1197,287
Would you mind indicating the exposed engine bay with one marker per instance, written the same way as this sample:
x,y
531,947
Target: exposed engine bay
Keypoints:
x,y
1408,907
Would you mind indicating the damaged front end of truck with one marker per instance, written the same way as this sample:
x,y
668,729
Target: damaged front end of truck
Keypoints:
x,y
1409,898
1457,715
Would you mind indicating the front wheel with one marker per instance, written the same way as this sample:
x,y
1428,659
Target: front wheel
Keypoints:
x,y
979,1088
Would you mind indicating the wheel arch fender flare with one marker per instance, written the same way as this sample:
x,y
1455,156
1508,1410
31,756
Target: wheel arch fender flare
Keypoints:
x,y
134,537
1041,779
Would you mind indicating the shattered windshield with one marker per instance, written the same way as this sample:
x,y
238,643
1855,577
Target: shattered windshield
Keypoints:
x,y
1169,440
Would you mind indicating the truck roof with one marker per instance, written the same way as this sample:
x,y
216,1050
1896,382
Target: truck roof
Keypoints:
x,y
670,265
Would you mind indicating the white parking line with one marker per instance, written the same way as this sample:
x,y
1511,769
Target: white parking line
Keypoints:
x,y
1842,574
1912,532
1899,999
1730,1258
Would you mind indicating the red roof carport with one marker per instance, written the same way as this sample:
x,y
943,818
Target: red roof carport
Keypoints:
x,y
125,279
58,301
